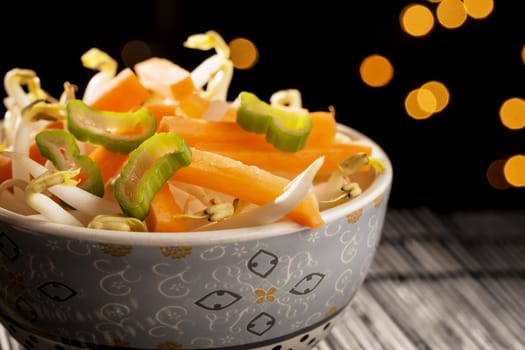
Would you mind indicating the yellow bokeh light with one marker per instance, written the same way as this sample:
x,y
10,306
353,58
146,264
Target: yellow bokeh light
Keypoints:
x,y
495,175
514,170
416,20
440,92
426,100
479,9
243,53
413,107
523,54
376,70
451,14
512,113
432,97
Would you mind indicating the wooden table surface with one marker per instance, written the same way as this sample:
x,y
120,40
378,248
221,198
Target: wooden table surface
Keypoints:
x,y
454,281
438,281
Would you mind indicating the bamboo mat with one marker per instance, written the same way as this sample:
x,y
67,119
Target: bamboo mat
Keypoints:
x,y
454,281
438,281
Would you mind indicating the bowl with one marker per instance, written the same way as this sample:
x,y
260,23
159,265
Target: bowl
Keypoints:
x,y
278,286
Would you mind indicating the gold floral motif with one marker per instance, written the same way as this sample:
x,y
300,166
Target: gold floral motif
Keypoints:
x,y
169,345
354,216
265,295
379,200
176,252
116,249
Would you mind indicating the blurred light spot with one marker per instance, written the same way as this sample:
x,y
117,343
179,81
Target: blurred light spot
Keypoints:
x,y
376,70
451,14
440,92
523,54
416,20
512,113
514,170
413,108
243,53
426,100
479,9
495,175
434,1
135,51
432,97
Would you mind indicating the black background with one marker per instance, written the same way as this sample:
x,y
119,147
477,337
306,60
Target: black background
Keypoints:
x,y
317,47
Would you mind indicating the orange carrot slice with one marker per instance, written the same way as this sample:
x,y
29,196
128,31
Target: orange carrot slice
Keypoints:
x,y
195,131
34,153
194,105
160,74
198,130
324,129
230,115
123,93
161,110
249,183
162,209
283,163
109,162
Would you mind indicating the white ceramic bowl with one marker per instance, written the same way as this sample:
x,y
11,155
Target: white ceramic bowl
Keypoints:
x,y
280,286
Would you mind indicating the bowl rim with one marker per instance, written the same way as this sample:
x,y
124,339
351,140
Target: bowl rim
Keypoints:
x,y
381,185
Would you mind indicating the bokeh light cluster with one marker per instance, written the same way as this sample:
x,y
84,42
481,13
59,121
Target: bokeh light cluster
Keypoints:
x,y
418,20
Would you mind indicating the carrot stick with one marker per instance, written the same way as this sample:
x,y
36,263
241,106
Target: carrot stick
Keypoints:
x,y
283,163
34,153
160,74
255,185
109,162
195,131
123,93
161,110
324,129
194,105
162,209
230,115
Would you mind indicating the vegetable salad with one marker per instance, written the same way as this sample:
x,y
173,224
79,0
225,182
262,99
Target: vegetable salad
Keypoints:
x,y
156,147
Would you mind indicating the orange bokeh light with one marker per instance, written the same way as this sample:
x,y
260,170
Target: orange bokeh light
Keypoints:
x,y
376,70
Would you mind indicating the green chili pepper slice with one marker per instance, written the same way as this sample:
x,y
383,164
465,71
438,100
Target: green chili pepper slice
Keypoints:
x,y
285,130
119,132
60,147
148,167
